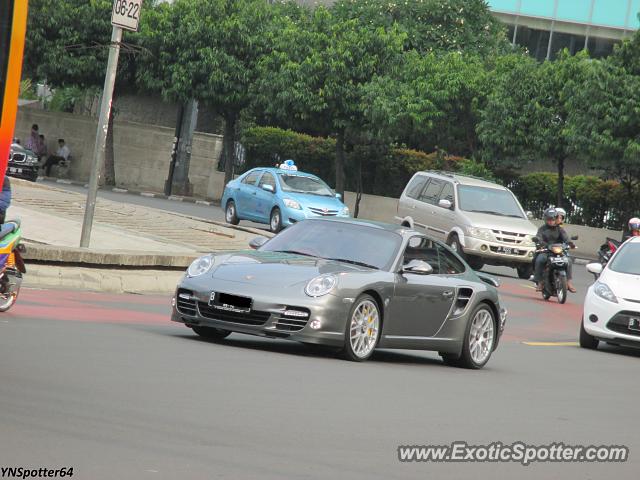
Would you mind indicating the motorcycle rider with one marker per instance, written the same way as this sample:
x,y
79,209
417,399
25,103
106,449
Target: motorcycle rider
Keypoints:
x,y
634,229
562,214
548,234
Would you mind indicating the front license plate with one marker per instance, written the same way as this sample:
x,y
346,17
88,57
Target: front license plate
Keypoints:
x,y
230,303
505,250
634,324
15,170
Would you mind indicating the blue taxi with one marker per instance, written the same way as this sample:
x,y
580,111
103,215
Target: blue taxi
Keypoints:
x,y
280,197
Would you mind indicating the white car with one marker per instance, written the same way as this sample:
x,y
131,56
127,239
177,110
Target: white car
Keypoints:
x,y
612,306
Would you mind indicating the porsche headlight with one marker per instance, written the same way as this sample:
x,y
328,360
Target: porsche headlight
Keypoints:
x,y
321,285
291,204
200,266
482,233
603,291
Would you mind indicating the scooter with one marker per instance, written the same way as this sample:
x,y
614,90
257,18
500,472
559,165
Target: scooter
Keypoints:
x,y
11,263
607,250
554,276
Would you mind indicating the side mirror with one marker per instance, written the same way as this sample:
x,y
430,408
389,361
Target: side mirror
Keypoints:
x,y
595,268
268,188
488,279
529,214
338,196
444,203
417,267
575,237
257,242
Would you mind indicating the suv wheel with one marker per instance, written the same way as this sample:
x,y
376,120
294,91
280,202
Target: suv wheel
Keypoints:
x,y
524,271
454,243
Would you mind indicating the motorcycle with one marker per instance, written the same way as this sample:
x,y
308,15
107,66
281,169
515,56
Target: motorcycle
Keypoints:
x,y
11,263
554,276
607,250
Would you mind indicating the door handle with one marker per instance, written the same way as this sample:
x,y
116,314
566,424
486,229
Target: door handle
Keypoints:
x,y
447,294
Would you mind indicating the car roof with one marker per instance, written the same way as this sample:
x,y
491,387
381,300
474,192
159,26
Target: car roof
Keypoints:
x,y
463,179
283,170
390,227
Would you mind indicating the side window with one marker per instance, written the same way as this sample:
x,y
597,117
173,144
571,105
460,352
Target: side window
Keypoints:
x,y
267,179
422,248
417,183
251,178
431,193
449,263
447,193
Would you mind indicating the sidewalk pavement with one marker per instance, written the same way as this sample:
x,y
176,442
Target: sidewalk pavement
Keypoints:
x,y
124,236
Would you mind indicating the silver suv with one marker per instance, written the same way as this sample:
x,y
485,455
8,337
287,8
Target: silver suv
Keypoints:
x,y
481,220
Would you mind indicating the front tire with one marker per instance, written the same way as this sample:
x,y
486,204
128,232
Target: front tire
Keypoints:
x,y
479,339
454,243
586,340
475,262
561,289
211,333
231,214
275,221
362,330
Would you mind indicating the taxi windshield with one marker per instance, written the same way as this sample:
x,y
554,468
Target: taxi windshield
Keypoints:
x,y
292,182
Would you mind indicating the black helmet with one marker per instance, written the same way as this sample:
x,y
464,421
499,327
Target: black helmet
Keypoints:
x,y
550,213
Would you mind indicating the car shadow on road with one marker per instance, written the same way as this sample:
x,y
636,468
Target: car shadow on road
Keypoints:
x,y
310,350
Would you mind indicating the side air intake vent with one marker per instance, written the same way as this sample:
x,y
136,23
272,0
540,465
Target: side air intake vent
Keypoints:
x,y
462,300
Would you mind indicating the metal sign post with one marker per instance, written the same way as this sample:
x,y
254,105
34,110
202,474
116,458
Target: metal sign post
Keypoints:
x,y
125,14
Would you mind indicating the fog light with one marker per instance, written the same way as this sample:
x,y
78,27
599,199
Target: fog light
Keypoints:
x,y
173,302
531,254
296,314
593,318
483,248
315,324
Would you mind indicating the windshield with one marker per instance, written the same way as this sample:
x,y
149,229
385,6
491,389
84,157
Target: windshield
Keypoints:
x,y
493,201
348,242
303,184
627,260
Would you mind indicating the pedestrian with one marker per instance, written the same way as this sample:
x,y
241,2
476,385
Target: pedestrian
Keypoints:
x,y
61,156
33,142
5,198
43,151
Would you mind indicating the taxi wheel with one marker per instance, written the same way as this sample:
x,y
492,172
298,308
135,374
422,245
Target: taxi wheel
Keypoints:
x,y
230,213
275,222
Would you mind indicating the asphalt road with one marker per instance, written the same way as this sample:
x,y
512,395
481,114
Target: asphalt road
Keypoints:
x,y
106,384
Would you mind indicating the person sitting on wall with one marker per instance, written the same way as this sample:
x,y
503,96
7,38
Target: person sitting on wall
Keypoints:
x,y
61,157
5,198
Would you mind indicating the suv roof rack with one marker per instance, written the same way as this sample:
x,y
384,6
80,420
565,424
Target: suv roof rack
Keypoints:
x,y
453,175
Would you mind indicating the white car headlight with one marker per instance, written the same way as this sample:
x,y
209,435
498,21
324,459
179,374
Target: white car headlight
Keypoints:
x,y
345,211
291,204
603,291
483,233
321,285
200,266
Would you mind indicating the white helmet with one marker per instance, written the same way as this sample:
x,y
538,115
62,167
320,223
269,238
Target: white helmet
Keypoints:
x,y
634,224
561,211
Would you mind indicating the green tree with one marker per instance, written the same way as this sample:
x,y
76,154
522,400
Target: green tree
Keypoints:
x,y
208,50
315,76
432,25
527,114
67,45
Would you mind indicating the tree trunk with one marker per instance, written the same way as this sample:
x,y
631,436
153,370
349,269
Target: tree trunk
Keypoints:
x,y
229,139
340,163
109,173
560,182
356,209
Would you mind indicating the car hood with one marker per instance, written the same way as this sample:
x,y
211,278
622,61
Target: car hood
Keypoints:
x,y
496,222
275,269
317,201
623,285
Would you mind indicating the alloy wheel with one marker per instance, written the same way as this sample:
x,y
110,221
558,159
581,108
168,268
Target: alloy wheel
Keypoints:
x,y
364,328
481,336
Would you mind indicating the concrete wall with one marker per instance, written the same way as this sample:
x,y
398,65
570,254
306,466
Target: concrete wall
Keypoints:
x,y
142,152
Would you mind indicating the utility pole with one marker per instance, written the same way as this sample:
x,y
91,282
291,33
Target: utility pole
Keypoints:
x,y
125,14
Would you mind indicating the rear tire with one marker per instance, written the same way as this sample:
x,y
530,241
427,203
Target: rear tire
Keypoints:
x,y
231,214
586,340
524,271
8,300
479,340
211,333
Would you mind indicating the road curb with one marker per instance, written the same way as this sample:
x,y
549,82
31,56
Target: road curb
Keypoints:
x,y
175,198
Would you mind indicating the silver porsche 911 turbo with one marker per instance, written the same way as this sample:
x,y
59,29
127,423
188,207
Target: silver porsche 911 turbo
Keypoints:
x,y
352,284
